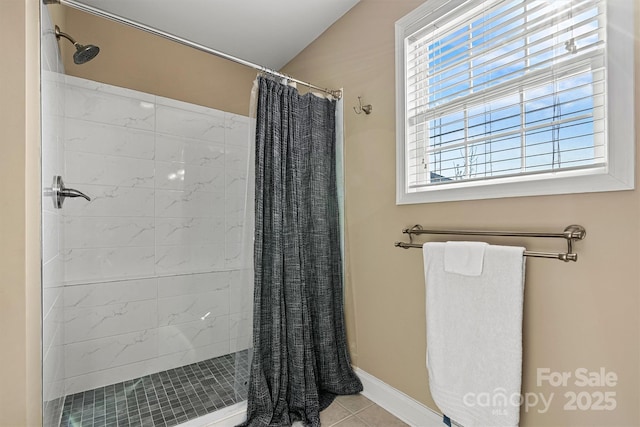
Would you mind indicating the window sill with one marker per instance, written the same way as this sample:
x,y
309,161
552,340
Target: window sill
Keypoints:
x,y
584,181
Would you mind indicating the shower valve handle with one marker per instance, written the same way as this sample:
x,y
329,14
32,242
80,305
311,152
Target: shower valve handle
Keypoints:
x,y
70,192
58,192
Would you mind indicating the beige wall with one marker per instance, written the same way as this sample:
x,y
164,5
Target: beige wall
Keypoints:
x,y
576,315
20,382
138,60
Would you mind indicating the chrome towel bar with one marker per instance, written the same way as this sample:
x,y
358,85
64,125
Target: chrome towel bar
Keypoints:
x,y
570,234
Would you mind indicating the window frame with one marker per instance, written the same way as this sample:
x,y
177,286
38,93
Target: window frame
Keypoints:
x,y
618,173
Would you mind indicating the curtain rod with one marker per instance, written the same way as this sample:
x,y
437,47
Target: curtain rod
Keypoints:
x,y
570,233
140,26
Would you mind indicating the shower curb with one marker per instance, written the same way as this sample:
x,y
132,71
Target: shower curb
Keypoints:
x,y
230,416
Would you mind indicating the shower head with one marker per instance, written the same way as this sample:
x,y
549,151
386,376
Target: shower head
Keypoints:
x,y
84,53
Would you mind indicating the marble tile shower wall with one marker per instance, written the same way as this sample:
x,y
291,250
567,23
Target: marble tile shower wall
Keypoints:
x,y
152,263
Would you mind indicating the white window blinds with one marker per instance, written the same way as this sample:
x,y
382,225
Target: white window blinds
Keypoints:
x,y
505,89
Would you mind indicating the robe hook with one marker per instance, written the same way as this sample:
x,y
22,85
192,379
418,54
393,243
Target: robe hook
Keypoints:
x,y
360,108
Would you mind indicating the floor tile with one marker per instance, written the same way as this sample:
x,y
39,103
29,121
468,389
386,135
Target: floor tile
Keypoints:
x,y
170,397
354,403
334,413
375,416
160,399
352,421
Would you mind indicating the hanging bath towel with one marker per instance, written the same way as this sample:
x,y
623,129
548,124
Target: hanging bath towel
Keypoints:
x,y
474,331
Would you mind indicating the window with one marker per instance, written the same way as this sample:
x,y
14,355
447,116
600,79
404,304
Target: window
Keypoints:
x,y
503,98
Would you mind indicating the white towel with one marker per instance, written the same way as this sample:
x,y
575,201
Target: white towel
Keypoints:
x,y
474,337
464,258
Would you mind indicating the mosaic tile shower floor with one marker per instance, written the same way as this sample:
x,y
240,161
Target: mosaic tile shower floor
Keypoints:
x,y
163,399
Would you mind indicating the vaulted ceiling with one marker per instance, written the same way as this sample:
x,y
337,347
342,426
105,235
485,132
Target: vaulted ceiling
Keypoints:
x,y
266,32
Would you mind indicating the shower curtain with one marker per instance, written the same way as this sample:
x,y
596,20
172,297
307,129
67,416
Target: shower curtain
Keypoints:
x,y
300,358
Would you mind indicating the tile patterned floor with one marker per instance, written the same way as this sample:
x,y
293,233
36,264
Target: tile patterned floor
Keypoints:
x,y
357,411
178,395
162,399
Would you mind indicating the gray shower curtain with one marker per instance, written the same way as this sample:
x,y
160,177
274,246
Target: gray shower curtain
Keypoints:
x,y
300,357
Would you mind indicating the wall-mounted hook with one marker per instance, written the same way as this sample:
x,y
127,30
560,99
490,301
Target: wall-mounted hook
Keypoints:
x,y
360,108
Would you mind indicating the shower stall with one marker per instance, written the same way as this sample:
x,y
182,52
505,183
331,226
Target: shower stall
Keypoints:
x,y
147,294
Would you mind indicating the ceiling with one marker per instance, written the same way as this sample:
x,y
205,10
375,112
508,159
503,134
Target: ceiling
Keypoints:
x,y
265,32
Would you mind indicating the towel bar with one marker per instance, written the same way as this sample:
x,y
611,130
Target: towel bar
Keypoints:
x,y
570,234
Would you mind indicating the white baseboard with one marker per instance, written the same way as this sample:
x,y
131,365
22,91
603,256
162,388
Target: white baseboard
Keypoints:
x,y
399,404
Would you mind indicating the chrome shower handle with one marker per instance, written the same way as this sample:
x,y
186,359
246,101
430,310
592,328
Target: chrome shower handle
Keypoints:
x,y
58,192
70,192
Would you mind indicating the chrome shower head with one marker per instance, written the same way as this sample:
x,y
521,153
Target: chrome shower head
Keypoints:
x,y
84,53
